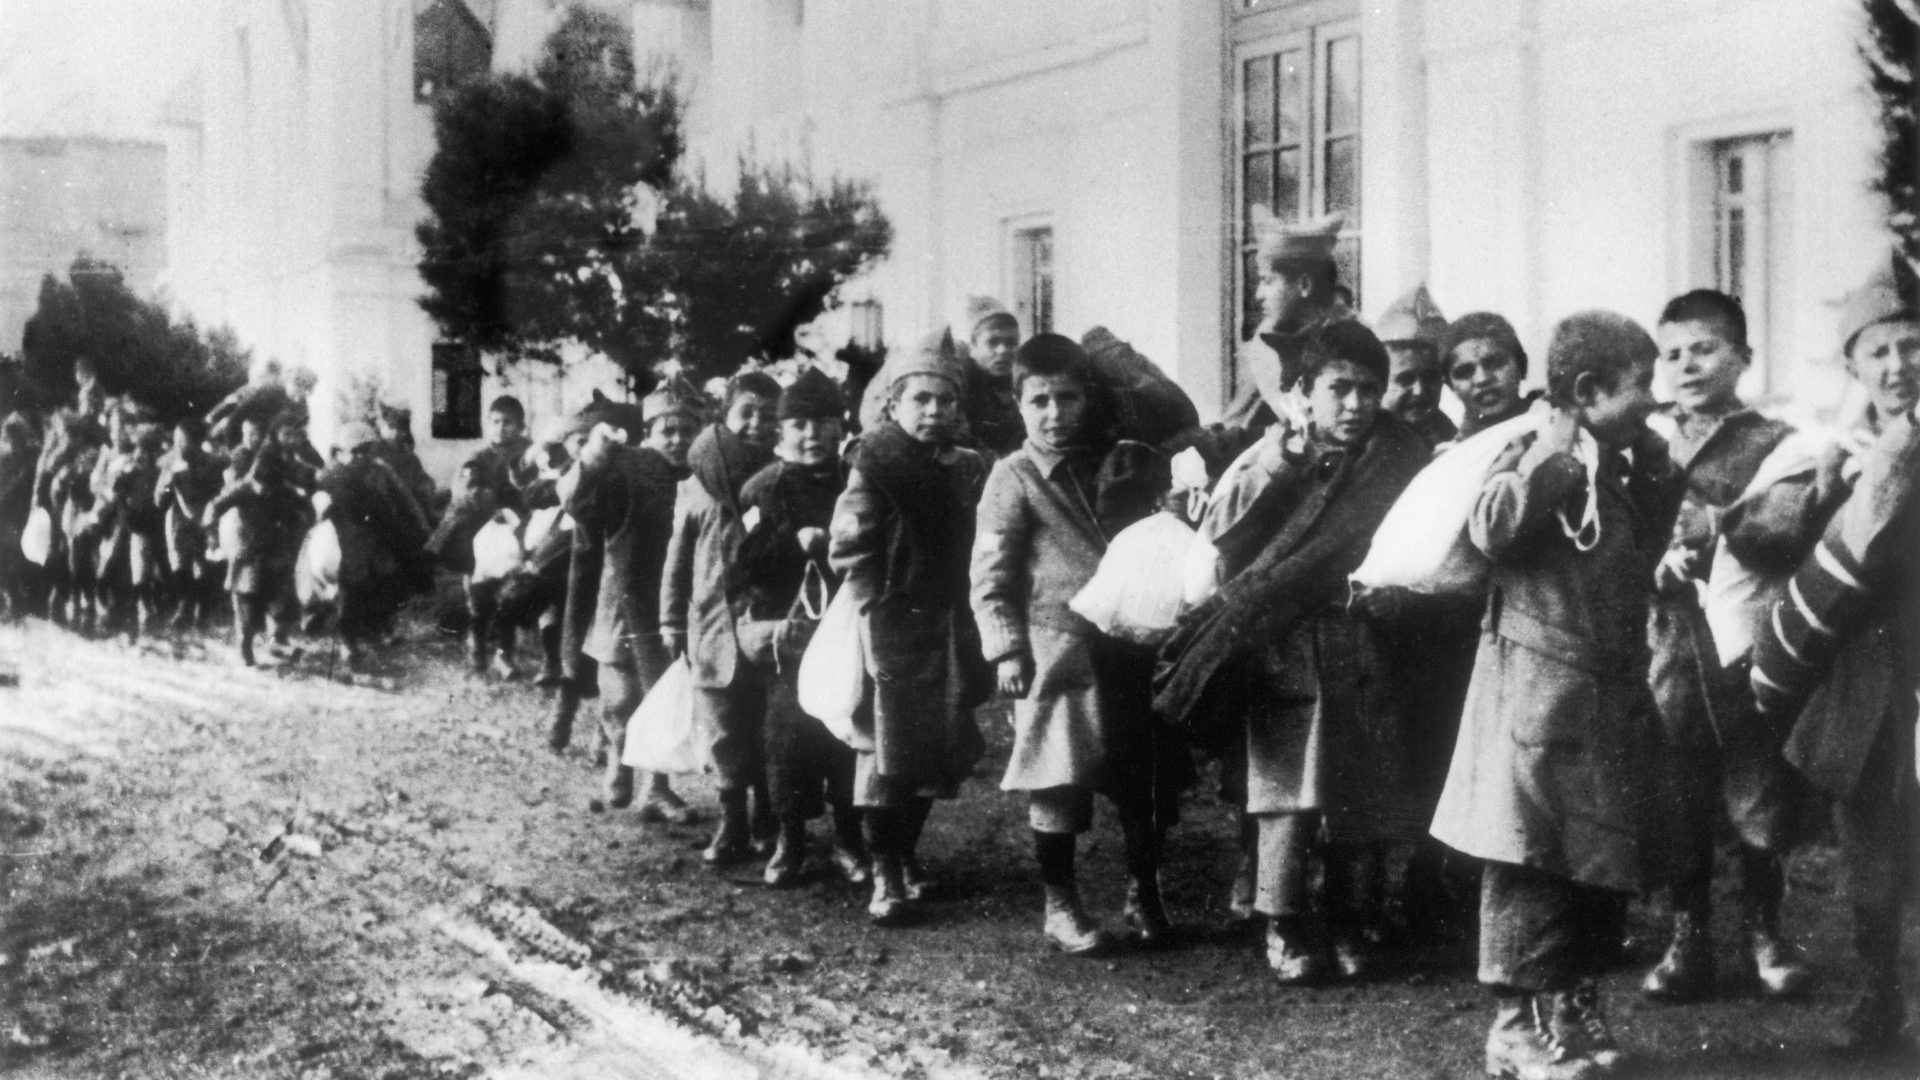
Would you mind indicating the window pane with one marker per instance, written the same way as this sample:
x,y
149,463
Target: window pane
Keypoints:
x,y
1734,280
1249,300
1293,95
1736,173
1343,85
1343,177
1258,118
1286,186
1258,189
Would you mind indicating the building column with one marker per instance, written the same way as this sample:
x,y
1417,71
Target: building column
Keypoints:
x,y
1188,41
1396,242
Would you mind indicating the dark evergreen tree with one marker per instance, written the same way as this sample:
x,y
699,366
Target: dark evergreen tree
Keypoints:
x,y
556,213
1892,51
136,348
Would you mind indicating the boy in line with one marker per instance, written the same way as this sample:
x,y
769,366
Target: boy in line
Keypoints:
x,y
1411,328
1721,763
1485,365
489,481
1549,782
703,595
901,536
788,507
1081,724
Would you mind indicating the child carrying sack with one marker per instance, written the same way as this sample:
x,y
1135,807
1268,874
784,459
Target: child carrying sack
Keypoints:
x,y
1422,543
36,540
665,733
1737,599
833,672
1133,595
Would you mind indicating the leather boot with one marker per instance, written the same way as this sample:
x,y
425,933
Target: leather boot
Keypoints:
x,y
566,706
1521,1045
664,804
850,857
1685,973
1579,1021
789,854
1776,967
733,839
1145,912
1296,953
1066,925
889,905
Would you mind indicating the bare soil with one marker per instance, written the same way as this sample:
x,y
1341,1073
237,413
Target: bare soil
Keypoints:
x,y
211,871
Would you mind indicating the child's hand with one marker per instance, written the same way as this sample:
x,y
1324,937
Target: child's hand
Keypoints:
x,y
1560,429
1676,571
813,540
675,642
1016,675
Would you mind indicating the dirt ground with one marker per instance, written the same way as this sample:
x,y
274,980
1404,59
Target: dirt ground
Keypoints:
x,y
211,871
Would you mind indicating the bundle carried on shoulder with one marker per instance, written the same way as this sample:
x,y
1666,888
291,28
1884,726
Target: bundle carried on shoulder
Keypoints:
x,y
1152,407
1738,599
497,550
1422,545
1135,595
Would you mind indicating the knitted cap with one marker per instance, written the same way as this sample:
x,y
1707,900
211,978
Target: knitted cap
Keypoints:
x,y
813,396
982,308
935,355
674,395
1878,299
1413,317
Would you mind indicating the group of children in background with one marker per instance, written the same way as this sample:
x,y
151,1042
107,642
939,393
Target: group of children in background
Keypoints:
x,y
1562,740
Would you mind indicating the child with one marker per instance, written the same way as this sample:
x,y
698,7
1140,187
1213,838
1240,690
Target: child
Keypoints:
x,y
788,507
1550,778
1289,682
189,479
130,522
273,517
381,531
1411,328
489,481
621,498
1485,365
1080,723
17,454
703,595
1721,763
901,536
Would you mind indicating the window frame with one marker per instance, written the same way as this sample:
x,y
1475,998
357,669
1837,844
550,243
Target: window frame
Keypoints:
x,y
1312,27
1770,312
1020,298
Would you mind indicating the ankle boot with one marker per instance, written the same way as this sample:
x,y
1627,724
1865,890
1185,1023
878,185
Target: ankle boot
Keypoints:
x,y
1775,966
1296,951
890,905
789,854
1521,1046
1066,925
1685,973
850,857
732,840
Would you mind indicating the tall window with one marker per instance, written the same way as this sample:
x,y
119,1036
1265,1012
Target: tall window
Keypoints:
x,y
1031,285
1746,238
1298,137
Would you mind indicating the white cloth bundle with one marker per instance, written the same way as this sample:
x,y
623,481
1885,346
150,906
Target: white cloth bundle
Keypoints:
x,y
316,573
496,547
36,540
832,681
665,733
1134,595
1422,543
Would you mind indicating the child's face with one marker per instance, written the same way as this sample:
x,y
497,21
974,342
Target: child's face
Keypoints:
x,y
1344,402
504,427
1700,366
927,407
1616,415
1054,408
810,442
672,435
752,417
994,342
1485,376
1885,359
1413,382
